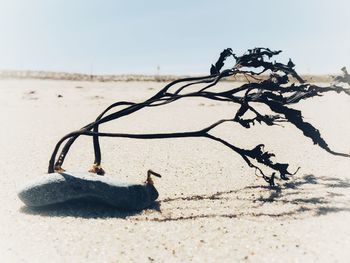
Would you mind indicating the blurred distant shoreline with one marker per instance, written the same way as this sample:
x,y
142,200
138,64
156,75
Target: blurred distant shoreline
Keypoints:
x,y
49,75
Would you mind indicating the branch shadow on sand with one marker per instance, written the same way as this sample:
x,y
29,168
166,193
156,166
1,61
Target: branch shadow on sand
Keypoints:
x,y
299,198
302,197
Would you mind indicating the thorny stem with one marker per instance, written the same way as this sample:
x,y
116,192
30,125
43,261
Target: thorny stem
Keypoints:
x,y
276,92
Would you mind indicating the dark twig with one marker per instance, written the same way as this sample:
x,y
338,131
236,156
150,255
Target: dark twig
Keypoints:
x,y
275,91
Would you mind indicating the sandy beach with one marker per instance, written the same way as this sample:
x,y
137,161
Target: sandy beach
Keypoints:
x,y
211,208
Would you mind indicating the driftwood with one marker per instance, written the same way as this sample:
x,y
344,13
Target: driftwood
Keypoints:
x,y
282,87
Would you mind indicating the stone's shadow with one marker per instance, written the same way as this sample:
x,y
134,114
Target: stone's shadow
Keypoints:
x,y
84,209
299,198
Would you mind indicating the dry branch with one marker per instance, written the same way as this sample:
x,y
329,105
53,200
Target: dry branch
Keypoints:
x,y
277,92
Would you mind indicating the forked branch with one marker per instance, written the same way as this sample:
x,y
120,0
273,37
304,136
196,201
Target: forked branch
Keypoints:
x,y
275,89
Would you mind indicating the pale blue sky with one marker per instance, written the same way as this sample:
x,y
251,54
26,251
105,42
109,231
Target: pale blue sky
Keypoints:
x,y
182,36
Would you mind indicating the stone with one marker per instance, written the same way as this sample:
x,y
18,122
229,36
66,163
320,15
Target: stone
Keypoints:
x,y
57,188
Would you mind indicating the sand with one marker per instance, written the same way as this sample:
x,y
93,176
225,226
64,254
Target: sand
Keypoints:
x,y
212,208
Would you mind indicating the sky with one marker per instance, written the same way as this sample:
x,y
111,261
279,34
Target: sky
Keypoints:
x,y
174,37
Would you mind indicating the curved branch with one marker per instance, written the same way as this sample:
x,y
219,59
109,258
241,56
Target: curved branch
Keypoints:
x,y
274,92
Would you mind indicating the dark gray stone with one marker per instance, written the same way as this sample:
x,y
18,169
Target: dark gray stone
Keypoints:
x,y
60,187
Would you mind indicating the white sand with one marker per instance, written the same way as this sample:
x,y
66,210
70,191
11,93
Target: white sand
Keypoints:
x,y
212,208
